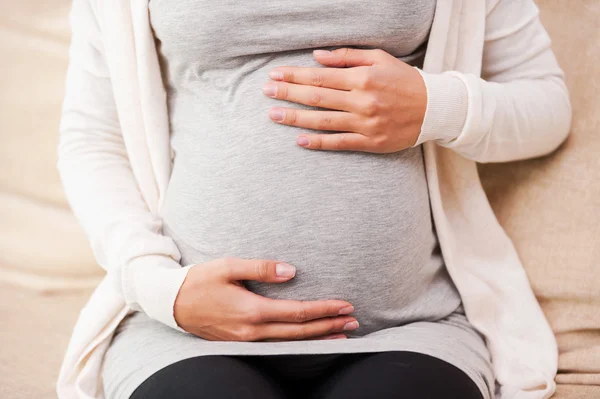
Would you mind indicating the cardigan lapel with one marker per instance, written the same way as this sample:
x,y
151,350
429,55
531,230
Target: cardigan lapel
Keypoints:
x,y
126,60
153,97
437,51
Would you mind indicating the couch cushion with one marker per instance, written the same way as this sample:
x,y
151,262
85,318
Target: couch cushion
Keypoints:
x,y
577,392
549,206
34,345
41,244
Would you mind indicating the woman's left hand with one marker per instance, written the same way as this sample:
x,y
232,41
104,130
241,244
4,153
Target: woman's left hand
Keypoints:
x,y
380,101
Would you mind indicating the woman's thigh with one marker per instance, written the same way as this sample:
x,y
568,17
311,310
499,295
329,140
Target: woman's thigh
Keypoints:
x,y
210,376
395,375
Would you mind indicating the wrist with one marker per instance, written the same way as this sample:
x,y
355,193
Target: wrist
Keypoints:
x,y
151,284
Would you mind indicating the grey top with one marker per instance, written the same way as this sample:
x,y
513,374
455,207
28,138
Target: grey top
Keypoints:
x,y
356,225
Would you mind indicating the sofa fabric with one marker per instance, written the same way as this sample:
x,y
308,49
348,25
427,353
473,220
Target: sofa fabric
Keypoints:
x,y
41,244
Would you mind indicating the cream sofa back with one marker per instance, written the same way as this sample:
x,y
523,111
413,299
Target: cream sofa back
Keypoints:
x,y
41,244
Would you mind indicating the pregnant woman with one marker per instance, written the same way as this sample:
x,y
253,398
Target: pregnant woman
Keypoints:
x,y
294,252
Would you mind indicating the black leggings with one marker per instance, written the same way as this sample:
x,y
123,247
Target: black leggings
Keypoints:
x,y
381,375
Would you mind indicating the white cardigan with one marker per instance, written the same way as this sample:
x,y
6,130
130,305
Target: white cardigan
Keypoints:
x,y
115,162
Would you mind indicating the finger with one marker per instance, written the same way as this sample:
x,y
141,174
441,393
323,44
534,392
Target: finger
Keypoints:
x,y
314,96
290,310
350,57
309,329
318,120
337,142
328,336
266,270
334,78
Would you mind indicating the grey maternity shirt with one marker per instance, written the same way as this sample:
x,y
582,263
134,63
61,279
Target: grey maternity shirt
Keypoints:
x,y
356,225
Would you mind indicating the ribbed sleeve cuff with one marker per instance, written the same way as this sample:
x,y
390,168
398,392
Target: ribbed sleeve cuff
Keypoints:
x,y
151,284
447,106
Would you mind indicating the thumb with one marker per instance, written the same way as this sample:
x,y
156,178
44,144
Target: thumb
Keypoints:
x,y
269,271
349,57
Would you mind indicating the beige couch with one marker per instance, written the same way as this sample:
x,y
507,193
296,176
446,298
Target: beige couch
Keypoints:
x,y
549,206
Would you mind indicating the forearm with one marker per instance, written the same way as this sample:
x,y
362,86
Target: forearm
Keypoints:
x,y
100,186
124,235
519,108
496,122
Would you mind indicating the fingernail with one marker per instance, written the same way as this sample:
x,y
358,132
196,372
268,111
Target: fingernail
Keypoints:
x,y
277,114
351,325
346,310
270,90
325,53
302,140
284,270
276,75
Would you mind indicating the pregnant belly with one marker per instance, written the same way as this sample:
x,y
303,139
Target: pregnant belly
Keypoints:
x,y
357,226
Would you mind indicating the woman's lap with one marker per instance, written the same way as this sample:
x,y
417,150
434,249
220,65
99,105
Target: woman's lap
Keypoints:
x,y
210,376
397,374
385,375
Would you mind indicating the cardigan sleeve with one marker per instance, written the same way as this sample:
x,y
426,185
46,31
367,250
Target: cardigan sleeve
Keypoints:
x,y
519,108
100,186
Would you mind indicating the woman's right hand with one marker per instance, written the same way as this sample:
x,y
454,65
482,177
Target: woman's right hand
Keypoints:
x,y
213,304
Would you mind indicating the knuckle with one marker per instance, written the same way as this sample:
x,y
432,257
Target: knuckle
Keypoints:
x,y
315,98
316,79
365,80
371,106
301,314
262,269
300,333
335,310
289,76
340,143
316,143
293,117
325,122
254,314
379,140
332,309
337,325
372,124
282,91
245,333
333,327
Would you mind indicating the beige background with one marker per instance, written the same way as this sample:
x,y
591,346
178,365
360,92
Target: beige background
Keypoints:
x,y
549,206
41,245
